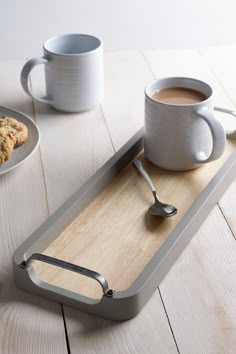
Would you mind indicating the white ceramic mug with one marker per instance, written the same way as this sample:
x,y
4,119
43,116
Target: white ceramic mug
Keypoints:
x,y
73,72
182,136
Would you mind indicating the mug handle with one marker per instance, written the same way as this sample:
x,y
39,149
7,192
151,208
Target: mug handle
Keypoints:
x,y
218,136
24,78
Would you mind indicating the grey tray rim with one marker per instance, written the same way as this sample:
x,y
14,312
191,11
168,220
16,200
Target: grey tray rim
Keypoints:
x,y
122,305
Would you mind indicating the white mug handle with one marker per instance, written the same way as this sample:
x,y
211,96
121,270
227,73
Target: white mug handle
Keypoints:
x,y
25,77
218,136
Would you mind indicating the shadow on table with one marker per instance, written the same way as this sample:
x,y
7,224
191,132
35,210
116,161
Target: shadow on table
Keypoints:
x,y
11,296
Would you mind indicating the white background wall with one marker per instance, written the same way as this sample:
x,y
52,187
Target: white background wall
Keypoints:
x,y
121,24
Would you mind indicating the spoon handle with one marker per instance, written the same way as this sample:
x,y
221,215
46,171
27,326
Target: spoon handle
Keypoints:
x,y
225,110
138,164
230,134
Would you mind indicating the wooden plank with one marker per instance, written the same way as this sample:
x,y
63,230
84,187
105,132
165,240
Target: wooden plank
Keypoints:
x,y
199,292
73,146
221,60
148,332
222,63
23,207
126,75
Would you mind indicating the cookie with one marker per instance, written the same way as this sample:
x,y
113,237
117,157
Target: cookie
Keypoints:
x,y
18,129
6,145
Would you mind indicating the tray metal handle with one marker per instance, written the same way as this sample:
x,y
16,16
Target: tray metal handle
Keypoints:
x,y
72,267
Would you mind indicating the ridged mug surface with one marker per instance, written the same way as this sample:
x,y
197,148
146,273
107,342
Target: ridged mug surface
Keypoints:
x,y
75,83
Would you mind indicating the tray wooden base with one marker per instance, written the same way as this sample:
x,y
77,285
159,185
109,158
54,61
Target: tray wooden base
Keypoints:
x,y
115,235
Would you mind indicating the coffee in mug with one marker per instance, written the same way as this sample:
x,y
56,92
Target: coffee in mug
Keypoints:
x,y
178,95
181,130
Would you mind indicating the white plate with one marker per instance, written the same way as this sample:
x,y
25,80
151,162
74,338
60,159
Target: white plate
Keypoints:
x,y
21,153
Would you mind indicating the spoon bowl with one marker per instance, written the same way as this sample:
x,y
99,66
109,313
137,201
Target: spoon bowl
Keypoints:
x,y
162,209
158,208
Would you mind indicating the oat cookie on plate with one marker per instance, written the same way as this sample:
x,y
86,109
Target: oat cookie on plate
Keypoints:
x,y
7,143
18,129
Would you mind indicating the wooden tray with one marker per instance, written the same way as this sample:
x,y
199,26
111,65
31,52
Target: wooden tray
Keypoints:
x,y
104,234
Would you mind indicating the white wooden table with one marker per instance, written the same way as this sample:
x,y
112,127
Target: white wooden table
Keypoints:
x,y
194,309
